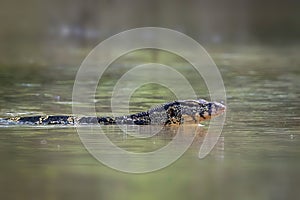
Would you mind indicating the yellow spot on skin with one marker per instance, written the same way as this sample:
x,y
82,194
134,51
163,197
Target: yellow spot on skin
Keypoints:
x,y
15,119
40,120
70,120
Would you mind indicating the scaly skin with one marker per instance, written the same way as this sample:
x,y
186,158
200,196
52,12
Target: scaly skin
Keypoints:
x,y
172,113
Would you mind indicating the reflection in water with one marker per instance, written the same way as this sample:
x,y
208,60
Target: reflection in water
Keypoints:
x,y
143,153
154,137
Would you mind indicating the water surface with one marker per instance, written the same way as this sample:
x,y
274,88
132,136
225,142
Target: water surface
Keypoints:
x,y
257,157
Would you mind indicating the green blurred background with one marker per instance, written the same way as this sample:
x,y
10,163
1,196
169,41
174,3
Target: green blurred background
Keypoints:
x,y
255,45
38,31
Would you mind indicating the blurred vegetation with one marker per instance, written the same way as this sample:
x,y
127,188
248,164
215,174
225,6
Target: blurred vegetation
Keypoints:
x,y
255,44
61,32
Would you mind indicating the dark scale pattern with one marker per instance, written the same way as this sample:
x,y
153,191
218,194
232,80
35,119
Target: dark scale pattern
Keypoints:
x,y
176,112
141,118
174,115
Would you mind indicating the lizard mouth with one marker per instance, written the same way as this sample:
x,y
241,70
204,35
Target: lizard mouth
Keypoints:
x,y
218,109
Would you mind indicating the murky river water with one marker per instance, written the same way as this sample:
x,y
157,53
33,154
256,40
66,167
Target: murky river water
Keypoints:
x,y
257,157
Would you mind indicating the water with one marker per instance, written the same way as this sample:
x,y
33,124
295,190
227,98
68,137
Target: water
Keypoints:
x,y
257,157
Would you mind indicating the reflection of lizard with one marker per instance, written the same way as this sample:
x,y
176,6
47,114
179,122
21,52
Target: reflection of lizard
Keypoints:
x,y
176,112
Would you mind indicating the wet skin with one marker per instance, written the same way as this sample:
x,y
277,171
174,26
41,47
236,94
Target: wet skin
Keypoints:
x,y
172,113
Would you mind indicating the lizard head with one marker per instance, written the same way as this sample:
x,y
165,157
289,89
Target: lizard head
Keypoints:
x,y
208,110
200,110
